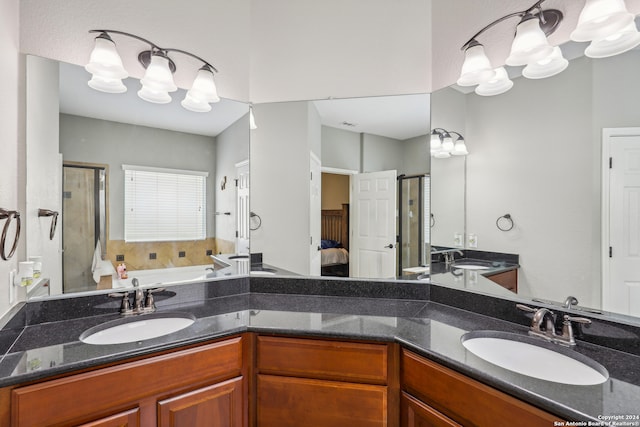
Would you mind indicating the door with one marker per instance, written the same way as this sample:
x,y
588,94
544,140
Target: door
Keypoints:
x,y
242,207
373,225
315,214
623,290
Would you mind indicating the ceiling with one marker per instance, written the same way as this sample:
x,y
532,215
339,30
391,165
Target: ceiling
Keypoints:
x,y
284,50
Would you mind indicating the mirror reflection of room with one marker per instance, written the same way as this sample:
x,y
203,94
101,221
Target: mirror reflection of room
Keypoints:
x,y
362,147
142,185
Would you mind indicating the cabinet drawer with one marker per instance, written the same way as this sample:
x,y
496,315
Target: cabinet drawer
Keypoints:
x,y
322,359
295,402
464,400
83,397
417,414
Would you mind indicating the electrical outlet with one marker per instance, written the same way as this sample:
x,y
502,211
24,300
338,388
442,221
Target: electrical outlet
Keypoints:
x,y
152,255
182,254
472,240
458,240
119,257
209,252
12,288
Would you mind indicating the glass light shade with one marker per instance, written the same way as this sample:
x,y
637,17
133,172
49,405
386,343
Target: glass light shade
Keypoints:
x,y
476,67
500,84
155,96
158,75
460,148
547,67
204,88
620,42
600,19
447,143
436,142
105,61
107,85
252,120
442,155
194,104
530,43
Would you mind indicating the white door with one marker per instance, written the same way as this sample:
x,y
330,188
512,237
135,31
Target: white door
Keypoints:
x,y
373,225
622,293
315,220
242,207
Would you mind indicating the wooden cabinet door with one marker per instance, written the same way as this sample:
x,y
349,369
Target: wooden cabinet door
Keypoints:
x,y
416,414
219,405
296,402
129,418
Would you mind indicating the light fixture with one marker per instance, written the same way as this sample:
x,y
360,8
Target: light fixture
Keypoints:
x,y
476,68
615,44
107,71
443,146
600,19
530,43
546,67
499,84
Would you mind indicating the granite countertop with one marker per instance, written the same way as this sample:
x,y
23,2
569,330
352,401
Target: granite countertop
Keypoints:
x,y
47,347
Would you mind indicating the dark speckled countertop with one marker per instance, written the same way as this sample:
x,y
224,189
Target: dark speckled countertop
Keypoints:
x,y
41,339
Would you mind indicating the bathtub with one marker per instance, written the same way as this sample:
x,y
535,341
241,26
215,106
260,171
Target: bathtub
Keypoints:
x,y
167,276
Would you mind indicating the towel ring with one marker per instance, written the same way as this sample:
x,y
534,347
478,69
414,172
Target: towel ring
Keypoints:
x,y
255,215
54,220
509,223
9,216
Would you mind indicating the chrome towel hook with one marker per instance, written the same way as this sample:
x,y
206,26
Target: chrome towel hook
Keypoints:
x,y
9,216
54,220
505,222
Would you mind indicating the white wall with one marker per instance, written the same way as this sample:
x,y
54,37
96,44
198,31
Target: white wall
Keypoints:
x,y
340,149
380,153
89,140
44,167
415,155
11,133
232,146
279,167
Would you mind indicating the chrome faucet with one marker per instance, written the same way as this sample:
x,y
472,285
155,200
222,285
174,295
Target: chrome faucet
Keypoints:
x,y
543,325
570,302
449,256
141,304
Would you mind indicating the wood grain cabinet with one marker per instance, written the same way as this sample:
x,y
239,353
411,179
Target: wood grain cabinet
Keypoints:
x,y
307,382
437,396
506,279
191,387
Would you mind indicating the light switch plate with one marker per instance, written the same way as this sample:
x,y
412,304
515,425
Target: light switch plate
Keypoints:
x,y
472,241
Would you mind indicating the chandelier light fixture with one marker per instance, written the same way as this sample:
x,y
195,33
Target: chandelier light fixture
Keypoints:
x,y
606,24
107,71
443,145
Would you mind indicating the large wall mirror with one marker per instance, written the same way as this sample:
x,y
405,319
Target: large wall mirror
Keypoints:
x,y
86,149
536,154
326,180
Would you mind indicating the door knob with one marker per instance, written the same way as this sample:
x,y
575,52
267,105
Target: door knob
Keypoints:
x,y
390,246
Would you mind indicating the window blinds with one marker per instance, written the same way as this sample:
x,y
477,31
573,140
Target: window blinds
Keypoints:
x,y
164,204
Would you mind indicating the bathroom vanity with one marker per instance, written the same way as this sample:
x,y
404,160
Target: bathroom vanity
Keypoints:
x,y
291,351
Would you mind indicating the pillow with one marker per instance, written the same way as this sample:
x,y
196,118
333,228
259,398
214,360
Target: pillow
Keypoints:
x,y
327,244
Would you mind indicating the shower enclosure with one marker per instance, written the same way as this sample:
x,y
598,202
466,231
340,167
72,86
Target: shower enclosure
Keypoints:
x,y
413,222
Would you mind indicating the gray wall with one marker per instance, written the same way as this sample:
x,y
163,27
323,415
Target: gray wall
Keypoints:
x,y
99,141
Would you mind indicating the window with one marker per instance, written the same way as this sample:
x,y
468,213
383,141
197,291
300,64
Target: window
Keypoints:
x,y
164,204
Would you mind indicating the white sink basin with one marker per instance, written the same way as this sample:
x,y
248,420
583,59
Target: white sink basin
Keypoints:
x,y
138,328
532,357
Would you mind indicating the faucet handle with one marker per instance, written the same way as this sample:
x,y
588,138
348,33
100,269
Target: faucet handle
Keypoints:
x,y
526,308
125,307
149,303
583,320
